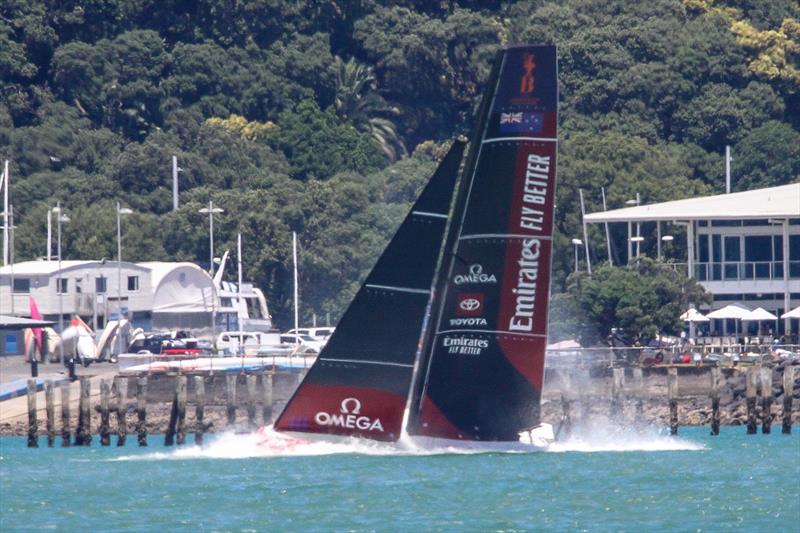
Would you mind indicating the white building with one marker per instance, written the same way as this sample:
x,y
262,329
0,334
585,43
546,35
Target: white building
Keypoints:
x,y
153,295
742,247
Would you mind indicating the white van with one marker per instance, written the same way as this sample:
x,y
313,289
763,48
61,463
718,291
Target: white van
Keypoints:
x,y
249,343
321,333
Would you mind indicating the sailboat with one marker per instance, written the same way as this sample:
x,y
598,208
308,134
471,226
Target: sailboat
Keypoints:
x,y
444,342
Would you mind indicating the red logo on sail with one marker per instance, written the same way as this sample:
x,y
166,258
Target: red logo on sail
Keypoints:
x,y
470,304
527,81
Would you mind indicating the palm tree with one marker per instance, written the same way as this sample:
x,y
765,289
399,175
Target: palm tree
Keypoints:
x,y
358,103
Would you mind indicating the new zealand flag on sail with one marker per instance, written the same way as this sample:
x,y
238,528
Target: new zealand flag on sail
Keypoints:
x,y
521,122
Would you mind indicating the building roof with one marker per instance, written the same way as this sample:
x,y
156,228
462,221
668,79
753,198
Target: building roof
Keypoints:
x,y
771,202
46,268
15,322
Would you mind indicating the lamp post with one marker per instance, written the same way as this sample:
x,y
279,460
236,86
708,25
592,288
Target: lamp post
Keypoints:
x,y
635,202
60,218
637,239
576,243
120,211
664,239
210,210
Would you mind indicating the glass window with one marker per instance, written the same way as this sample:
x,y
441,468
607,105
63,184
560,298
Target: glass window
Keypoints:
x,y
62,286
777,247
253,308
100,285
716,248
133,283
758,248
703,248
794,247
732,248
22,285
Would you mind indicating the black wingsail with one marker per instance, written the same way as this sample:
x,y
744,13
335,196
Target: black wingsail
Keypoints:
x,y
359,384
481,372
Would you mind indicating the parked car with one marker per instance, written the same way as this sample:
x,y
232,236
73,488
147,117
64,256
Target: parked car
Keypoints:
x,y
308,344
322,333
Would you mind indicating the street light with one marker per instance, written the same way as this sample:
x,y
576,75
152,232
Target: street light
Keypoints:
x,y
210,210
60,218
637,201
576,243
120,211
665,239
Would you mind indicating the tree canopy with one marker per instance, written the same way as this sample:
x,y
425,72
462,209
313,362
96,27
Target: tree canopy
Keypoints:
x,y
326,118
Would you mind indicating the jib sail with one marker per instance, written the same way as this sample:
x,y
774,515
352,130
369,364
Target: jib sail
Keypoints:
x,y
359,384
482,372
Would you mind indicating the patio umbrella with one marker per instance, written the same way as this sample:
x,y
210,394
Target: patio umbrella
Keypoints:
x,y
759,314
692,316
794,313
734,311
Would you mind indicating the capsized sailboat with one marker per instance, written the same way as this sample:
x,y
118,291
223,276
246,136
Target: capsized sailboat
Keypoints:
x,y
444,342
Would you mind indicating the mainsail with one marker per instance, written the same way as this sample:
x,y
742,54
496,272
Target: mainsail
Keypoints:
x,y
359,384
481,372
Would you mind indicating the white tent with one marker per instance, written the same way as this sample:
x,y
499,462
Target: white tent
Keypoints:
x,y
693,315
794,313
734,311
758,314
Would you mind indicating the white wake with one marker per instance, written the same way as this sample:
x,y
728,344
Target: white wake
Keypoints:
x,y
268,443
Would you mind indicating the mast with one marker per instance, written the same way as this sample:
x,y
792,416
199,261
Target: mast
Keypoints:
x,y
294,258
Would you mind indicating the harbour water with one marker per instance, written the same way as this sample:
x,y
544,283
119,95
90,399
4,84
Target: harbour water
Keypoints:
x,y
617,481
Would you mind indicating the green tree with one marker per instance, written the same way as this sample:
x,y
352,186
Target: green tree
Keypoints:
x,y
358,103
318,145
643,300
766,157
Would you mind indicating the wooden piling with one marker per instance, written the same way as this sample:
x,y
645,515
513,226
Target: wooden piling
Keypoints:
x,y
672,392
105,434
83,435
250,381
751,377
65,430
638,387
617,384
120,388
50,403
141,411
788,391
180,425
766,399
199,409
230,397
266,399
714,393
178,414
33,425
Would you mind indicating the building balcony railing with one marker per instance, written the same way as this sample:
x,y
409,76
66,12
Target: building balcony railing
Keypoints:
x,y
745,271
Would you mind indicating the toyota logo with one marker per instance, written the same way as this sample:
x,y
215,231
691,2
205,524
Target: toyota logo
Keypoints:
x,y
469,304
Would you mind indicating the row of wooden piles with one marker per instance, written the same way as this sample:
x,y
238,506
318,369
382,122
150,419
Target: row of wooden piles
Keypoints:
x,y
758,381
114,401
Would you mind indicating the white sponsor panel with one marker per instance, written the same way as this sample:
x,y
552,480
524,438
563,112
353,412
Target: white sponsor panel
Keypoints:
x,y
349,417
476,275
464,345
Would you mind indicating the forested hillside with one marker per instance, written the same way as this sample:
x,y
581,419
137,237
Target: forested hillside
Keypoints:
x,y
326,117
